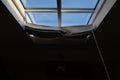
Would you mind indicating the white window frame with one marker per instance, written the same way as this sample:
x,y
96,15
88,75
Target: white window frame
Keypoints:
x,y
18,11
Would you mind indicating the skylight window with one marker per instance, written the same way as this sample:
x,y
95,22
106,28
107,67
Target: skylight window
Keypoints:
x,y
66,12
68,15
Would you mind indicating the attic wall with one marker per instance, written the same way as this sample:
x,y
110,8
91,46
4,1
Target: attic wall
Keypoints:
x,y
10,32
108,36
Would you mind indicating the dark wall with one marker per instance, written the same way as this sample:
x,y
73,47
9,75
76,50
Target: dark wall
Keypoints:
x,y
10,31
13,39
108,36
13,42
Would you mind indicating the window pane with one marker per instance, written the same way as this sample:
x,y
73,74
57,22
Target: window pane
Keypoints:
x,y
72,19
79,3
39,3
48,19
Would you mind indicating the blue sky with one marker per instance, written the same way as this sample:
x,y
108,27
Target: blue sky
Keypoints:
x,y
68,19
49,19
79,3
65,3
40,3
71,19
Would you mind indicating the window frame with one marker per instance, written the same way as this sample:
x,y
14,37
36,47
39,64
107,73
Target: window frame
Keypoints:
x,y
100,12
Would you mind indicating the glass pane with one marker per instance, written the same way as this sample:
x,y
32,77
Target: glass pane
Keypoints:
x,y
79,3
72,19
48,19
39,3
